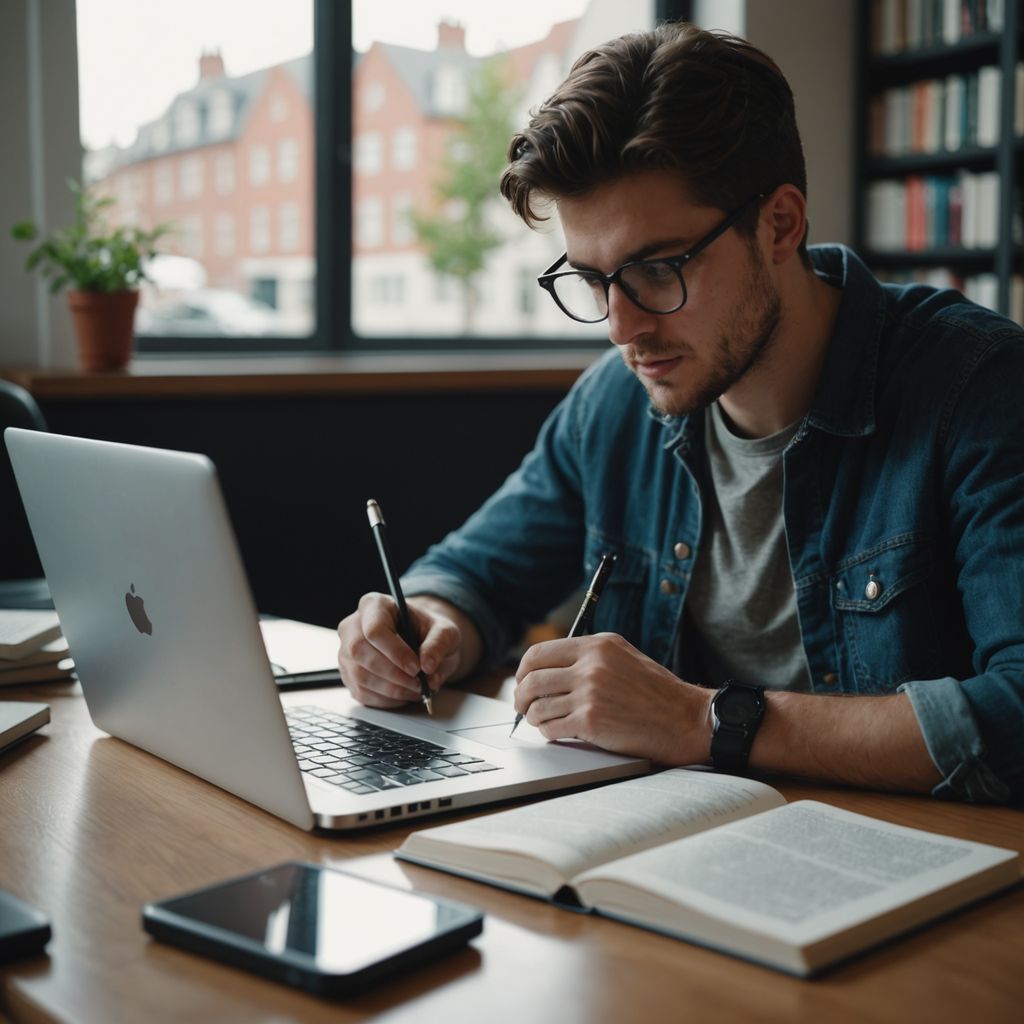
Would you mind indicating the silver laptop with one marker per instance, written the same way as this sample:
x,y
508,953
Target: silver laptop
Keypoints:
x,y
146,577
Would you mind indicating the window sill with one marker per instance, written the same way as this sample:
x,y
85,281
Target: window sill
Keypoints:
x,y
192,376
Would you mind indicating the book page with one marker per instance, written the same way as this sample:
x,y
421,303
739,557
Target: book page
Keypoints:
x,y
575,832
803,871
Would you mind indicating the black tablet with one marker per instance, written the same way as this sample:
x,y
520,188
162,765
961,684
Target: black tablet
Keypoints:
x,y
320,929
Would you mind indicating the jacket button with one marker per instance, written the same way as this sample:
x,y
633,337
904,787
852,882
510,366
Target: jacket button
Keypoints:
x,y
830,679
872,590
668,587
681,550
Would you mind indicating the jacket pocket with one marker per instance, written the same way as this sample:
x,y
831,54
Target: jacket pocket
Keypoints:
x,y
620,606
885,617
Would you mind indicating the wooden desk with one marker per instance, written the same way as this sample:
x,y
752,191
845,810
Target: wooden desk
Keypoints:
x,y
91,828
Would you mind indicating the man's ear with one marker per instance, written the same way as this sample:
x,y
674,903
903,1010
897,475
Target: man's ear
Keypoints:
x,y
786,213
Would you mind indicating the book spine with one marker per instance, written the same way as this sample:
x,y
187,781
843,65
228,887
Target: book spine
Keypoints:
x,y
990,85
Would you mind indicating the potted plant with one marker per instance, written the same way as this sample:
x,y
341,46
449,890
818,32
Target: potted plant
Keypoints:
x,y
102,266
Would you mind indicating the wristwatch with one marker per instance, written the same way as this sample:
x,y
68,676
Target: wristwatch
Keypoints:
x,y
736,713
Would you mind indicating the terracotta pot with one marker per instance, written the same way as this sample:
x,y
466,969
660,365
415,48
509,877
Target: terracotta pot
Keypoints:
x,y
105,328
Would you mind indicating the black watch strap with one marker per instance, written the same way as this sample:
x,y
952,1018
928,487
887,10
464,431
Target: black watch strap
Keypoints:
x,y
736,714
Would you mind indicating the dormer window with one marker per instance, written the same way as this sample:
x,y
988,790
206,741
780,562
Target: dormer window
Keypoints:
x,y
222,113
161,136
451,91
186,124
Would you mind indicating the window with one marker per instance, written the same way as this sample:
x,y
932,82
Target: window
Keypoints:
x,y
402,232
388,289
224,234
259,165
206,106
259,229
288,226
373,97
450,95
163,183
448,85
403,149
186,124
377,111
224,173
192,237
278,108
370,223
221,114
191,177
287,160
369,158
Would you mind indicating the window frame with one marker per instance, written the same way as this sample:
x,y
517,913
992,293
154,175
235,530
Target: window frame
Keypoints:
x,y
333,59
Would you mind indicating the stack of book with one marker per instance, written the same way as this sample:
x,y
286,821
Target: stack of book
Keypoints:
x,y
32,649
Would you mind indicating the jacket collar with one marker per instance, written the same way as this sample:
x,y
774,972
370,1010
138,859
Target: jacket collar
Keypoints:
x,y
844,402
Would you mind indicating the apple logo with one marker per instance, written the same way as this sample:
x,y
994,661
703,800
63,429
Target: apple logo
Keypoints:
x,y
137,611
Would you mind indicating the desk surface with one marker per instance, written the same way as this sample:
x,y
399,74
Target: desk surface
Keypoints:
x,y
92,828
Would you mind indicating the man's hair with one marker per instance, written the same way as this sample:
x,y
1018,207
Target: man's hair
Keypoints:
x,y
707,105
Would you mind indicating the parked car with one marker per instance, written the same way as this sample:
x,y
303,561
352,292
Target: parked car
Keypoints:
x,y
207,311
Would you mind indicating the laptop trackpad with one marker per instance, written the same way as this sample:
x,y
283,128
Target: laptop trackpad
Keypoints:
x,y
498,735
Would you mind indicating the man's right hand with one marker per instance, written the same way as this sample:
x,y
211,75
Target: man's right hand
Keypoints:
x,y
377,665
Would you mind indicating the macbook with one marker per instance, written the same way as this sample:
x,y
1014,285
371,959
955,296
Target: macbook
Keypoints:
x,y
146,577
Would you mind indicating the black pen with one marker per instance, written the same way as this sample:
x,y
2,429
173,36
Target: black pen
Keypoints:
x,y
592,596
405,630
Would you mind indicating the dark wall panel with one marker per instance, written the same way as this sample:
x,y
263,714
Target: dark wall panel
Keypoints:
x,y
296,473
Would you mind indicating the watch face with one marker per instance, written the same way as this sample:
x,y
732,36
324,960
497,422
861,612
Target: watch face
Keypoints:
x,y
738,705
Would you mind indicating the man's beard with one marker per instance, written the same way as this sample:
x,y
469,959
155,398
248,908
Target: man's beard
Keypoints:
x,y
743,341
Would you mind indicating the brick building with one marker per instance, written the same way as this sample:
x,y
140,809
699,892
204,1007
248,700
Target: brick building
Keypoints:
x,y
230,164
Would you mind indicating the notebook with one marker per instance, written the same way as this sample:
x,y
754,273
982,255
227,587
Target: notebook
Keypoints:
x,y
153,598
19,719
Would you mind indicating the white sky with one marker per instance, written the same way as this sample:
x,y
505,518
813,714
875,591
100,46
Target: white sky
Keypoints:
x,y
135,56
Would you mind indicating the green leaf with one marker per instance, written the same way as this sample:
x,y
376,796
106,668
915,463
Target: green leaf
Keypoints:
x,y
90,254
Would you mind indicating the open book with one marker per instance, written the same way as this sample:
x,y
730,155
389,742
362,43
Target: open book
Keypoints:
x,y
724,862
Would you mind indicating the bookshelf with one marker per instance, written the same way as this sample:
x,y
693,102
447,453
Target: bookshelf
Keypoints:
x,y
940,144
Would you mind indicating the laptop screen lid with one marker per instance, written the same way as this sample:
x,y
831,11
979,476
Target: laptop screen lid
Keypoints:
x,y
146,576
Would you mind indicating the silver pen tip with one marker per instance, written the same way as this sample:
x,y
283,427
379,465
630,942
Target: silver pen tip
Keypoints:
x,y
429,702
373,513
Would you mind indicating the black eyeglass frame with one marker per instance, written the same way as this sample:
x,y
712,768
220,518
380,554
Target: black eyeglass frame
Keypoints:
x,y
550,276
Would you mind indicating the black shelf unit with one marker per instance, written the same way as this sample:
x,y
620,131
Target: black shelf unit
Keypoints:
x,y
879,72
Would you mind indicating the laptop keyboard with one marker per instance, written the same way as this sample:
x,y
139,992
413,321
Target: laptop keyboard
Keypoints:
x,y
365,758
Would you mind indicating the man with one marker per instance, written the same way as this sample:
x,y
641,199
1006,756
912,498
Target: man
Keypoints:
x,y
812,482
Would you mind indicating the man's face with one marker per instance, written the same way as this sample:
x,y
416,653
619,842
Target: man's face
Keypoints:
x,y
689,358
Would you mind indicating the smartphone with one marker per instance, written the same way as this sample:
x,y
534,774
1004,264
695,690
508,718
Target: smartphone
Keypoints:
x,y
314,927
23,929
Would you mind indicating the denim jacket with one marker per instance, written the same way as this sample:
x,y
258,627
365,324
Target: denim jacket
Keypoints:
x,y
904,513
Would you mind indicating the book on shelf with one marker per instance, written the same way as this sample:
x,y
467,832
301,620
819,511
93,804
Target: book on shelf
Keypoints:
x,y
723,862
24,630
903,26
939,115
933,211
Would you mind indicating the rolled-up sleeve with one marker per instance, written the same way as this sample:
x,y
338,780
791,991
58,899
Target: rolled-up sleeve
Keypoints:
x,y
954,742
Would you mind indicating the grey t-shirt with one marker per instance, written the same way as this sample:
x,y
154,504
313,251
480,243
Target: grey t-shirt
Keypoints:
x,y
741,611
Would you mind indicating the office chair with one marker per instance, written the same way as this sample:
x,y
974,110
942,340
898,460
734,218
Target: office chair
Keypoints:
x,y
21,576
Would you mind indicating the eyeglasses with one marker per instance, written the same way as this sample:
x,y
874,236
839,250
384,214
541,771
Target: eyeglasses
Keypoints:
x,y
656,286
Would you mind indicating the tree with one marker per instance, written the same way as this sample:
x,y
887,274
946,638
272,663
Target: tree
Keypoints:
x,y
457,238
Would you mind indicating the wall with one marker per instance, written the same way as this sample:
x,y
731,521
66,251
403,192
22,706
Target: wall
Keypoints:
x,y
40,151
297,472
813,43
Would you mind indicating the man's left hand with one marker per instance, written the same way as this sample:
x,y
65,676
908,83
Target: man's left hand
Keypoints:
x,y
603,690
